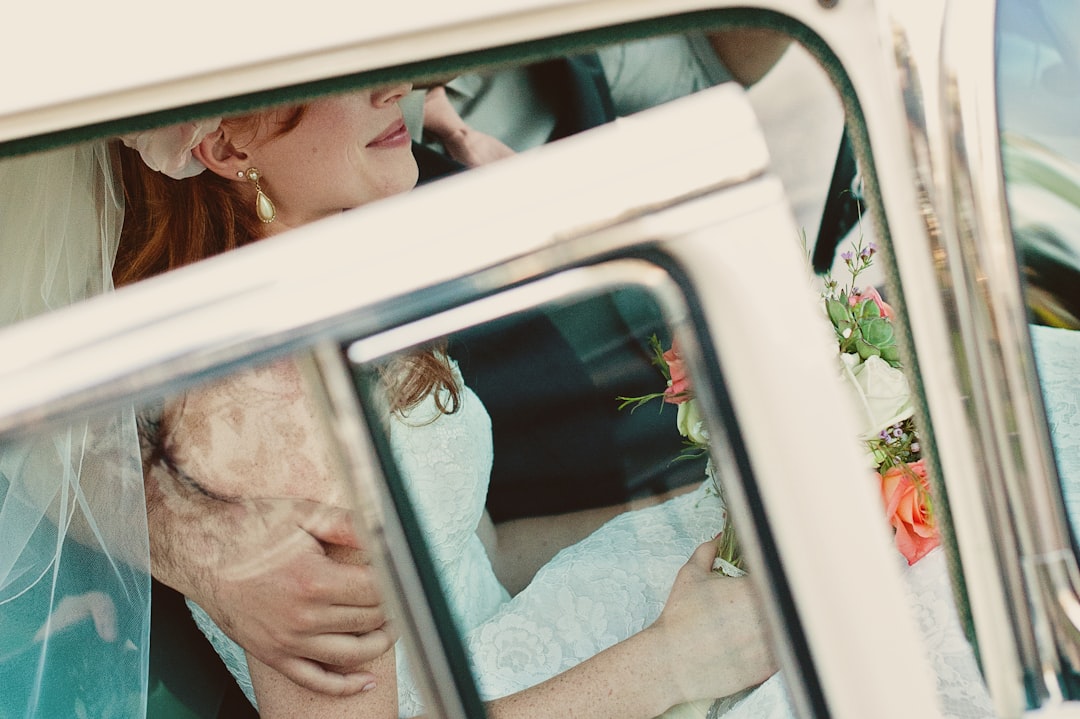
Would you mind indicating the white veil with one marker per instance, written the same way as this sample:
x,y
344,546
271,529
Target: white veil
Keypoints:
x,y
74,557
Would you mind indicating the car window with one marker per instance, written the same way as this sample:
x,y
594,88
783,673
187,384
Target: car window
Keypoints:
x,y
110,185
547,379
1038,105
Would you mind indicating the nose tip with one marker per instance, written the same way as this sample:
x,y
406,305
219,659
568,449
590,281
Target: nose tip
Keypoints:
x,y
390,94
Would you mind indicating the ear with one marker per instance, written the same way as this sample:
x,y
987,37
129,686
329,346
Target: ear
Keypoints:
x,y
220,156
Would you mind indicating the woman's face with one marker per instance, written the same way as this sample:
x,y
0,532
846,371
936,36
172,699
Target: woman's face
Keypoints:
x,y
346,151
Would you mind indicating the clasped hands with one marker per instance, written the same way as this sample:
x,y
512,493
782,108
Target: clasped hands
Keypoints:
x,y
299,595
294,588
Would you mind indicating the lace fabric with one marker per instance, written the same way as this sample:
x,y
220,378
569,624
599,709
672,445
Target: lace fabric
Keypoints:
x,y
592,594
1058,362
599,591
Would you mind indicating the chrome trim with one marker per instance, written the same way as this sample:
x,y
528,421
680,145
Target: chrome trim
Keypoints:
x,y
1007,408
932,302
331,385
399,567
722,270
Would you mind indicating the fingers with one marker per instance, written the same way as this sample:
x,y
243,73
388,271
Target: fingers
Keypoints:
x,y
312,676
325,582
348,619
348,651
705,553
331,525
359,586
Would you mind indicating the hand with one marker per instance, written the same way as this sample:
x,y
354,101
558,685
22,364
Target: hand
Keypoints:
x,y
298,609
468,146
713,631
265,571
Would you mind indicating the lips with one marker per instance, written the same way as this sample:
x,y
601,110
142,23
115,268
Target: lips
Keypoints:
x,y
393,136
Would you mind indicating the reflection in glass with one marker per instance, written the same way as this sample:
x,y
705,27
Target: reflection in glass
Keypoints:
x,y
558,569
74,575
248,518
1039,107
512,486
1038,84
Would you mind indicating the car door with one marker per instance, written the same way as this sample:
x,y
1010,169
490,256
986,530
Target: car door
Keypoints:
x,y
686,232
1003,265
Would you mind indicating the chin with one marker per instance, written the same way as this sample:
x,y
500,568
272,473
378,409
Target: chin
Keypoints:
x,y
405,179
389,179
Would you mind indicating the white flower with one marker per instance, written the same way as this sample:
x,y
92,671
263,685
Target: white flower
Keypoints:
x,y
168,149
690,423
880,392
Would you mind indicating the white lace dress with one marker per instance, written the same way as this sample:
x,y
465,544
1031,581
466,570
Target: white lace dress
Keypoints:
x,y
592,594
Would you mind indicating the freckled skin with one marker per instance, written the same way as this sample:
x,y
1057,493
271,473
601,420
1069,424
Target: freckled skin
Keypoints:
x,y
228,438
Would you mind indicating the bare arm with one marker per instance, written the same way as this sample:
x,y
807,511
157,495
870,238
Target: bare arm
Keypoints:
x,y
278,696
260,568
747,53
710,641
520,547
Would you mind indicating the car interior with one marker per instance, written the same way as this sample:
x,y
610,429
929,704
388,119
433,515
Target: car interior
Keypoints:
x,y
555,370
550,376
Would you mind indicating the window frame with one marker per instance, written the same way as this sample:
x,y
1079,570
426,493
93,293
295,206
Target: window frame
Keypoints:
x,y
163,327
900,125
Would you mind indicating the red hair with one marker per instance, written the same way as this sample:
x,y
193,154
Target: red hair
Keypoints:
x,y
171,223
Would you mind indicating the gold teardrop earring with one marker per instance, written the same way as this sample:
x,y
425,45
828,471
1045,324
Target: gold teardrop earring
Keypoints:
x,y
264,208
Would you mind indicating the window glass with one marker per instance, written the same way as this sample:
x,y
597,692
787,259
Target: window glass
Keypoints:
x,y
79,221
556,508
514,432
74,571
1039,112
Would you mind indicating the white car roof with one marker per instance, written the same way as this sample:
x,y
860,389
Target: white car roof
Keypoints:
x,y
71,65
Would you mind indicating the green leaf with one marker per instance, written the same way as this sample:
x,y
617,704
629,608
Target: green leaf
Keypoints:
x,y
867,309
838,312
658,357
634,402
877,331
891,354
880,455
866,350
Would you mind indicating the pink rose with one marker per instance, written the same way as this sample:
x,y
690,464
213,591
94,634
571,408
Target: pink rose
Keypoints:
x,y
872,294
905,491
678,390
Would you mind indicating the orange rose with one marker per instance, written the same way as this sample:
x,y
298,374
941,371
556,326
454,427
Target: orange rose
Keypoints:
x,y
906,493
678,390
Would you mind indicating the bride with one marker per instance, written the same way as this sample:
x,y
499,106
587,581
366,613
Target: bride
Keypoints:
x,y
246,178
625,623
